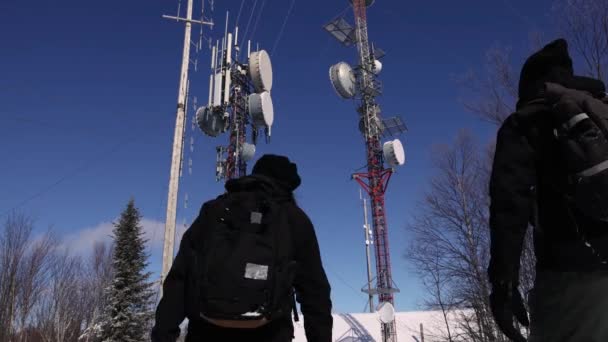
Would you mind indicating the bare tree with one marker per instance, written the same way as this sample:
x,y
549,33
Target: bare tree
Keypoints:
x,y
451,237
428,263
492,95
97,277
584,23
14,240
46,294
33,278
59,315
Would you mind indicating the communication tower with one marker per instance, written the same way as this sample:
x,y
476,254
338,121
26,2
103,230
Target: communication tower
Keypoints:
x,y
362,84
239,101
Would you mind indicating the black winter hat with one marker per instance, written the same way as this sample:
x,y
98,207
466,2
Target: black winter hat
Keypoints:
x,y
279,168
552,64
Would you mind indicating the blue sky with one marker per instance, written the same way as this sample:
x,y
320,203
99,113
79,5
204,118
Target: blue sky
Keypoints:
x,y
87,111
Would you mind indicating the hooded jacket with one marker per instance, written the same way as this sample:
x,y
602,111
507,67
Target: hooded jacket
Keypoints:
x,y
524,174
311,284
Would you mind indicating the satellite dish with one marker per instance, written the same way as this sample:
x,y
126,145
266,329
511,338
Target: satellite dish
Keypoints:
x,y
261,109
260,70
247,152
211,123
377,66
394,153
343,79
386,312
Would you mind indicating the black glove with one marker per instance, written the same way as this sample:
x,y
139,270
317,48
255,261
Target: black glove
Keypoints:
x,y
506,303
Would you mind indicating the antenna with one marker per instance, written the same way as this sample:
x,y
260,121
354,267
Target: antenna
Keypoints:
x,y
368,242
342,31
210,89
386,313
223,53
228,63
236,36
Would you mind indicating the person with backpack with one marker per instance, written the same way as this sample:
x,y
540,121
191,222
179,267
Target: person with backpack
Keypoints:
x,y
243,263
550,170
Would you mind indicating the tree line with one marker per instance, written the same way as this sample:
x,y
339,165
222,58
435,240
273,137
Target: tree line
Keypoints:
x,y
49,294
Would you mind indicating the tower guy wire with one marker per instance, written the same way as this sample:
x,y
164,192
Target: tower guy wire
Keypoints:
x,y
282,29
74,172
238,17
257,19
244,39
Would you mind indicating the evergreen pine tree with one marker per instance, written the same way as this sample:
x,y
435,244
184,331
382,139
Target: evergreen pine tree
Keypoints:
x,y
129,310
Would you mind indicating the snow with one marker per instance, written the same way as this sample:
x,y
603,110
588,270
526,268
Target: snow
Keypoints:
x,y
366,327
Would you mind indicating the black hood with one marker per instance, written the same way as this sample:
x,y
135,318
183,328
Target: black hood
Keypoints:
x,y
553,64
280,169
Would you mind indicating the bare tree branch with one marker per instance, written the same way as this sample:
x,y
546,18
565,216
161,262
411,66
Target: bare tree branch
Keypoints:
x,y
450,238
33,278
584,23
59,315
14,240
491,96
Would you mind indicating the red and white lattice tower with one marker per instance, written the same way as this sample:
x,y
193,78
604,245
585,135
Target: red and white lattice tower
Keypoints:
x,y
361,83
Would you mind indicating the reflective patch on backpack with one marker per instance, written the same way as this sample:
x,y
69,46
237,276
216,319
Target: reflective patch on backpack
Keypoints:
x,y
256,218
256,272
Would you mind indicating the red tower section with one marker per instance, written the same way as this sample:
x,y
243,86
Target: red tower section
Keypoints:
x,y
376,180
235,166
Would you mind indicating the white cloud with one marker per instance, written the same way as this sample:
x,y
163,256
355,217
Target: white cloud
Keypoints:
x,y
82,241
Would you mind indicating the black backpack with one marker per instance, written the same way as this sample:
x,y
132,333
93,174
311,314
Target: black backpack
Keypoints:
x,y
580,133
244,266
580,127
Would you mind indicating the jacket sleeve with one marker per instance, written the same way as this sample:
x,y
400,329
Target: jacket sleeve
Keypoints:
x,y
512,181
311,284
171,310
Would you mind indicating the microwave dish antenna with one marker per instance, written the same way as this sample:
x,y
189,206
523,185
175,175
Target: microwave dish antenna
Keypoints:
x,y
261,109
343,80
394,154
260,69
210,122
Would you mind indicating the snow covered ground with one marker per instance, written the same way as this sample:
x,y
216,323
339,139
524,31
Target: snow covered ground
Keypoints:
x,y
366,327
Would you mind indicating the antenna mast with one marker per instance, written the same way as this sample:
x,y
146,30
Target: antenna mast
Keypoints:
x,y
368,242
362,83
176,161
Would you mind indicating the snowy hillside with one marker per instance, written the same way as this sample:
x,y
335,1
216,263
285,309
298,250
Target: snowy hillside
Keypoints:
x,y
366,327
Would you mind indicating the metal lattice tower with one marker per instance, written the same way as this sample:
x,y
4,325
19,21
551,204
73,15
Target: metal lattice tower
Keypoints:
x,y
239,103
377,176
235,166
366,87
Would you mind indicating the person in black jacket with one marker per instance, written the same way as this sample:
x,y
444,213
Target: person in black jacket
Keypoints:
x,y
569,300
277,177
